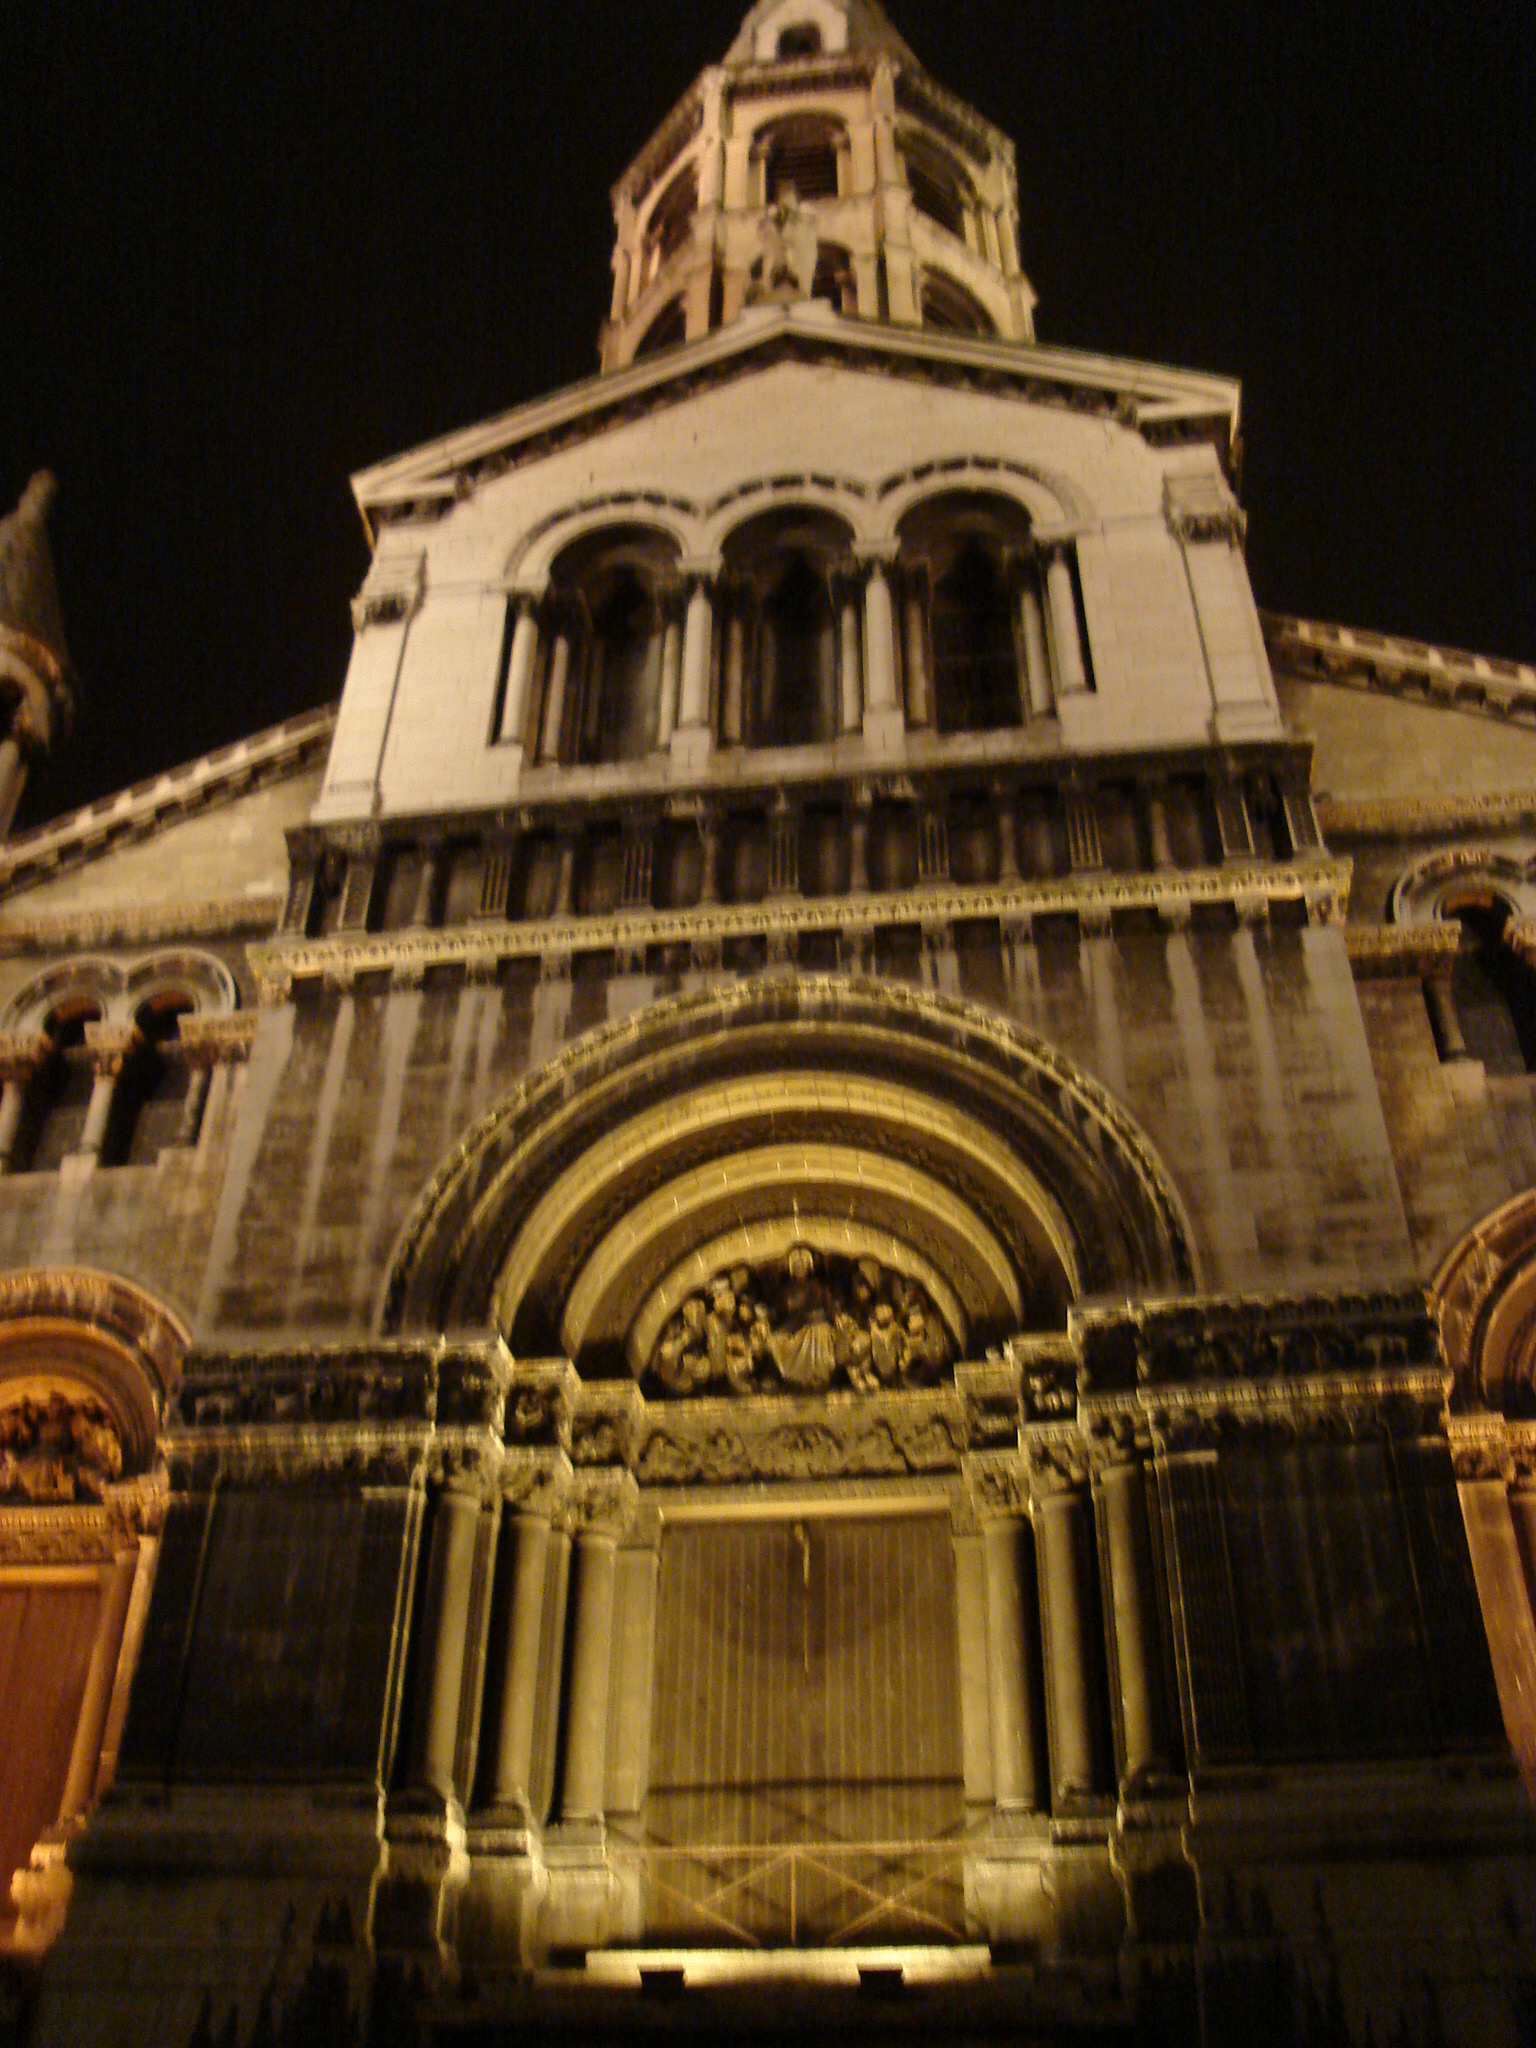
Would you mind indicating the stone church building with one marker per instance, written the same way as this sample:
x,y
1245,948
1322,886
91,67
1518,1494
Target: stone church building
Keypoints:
x,y
794,1289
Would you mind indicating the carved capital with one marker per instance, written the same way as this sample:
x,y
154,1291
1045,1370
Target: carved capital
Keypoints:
x,y
22,1053
536,1482
1057,1460
990,1397
605,1427
541,1401
217,1040
1481,1449
602,1503
111,1046
998,1484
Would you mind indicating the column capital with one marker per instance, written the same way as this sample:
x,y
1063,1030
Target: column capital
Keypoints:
x,y
1058,1465
218,1040
875,554
536,1482
22,1053
112,1045
700,568
998,1483
602,1503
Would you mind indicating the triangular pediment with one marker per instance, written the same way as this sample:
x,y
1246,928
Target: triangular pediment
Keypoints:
x,y
1164,404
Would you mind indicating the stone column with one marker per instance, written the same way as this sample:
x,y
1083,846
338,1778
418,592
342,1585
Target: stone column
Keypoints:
x,y
1003,799
444,1639
1000,1492
671,675
1071,674
858,844
1120,1486
99,1682
526,1535
22,1055
850,673
733,682
525,647
883,723
709,840
603,1509
1442,1015
920,704
424,909
1062,1527
554,694
690,740
1037,698
111,1046
1157,826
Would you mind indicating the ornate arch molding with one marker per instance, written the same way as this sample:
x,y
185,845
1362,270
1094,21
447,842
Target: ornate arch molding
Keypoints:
x,y
1485,1300
86,1363
1436,887
120,990
849,1104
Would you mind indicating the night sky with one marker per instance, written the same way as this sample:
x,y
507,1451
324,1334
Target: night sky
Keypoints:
x,y
248,248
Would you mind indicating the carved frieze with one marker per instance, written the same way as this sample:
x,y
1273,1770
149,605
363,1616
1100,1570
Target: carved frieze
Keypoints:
x,y
998,1483
802,1323
721,1443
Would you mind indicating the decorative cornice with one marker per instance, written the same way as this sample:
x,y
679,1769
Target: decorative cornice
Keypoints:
x,y
1378,951
1423,817
1334,1409
210,1041
1444,676
1322,885
1240,1341
145,806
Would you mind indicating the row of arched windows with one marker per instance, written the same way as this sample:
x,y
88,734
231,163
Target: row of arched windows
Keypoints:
x,y
97,1065
987,629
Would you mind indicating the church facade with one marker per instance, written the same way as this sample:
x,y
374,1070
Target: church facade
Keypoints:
x,y
793,1287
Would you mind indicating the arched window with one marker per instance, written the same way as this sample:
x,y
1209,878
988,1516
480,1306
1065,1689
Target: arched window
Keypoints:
x,y
975,665
949,308
939,192
802,40
1493,991
781,671
672,217
667,330
152,1098
61,1093
802,155
834,280
966,559
605,655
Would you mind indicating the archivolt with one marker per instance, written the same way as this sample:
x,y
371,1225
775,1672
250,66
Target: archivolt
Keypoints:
x,y
932,1121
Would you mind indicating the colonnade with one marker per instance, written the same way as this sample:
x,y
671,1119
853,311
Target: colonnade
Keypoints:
x,y
883,682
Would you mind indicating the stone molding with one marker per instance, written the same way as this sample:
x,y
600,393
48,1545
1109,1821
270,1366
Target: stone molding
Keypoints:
x,y
1422,891
84,1533
141,924
336,961
1419,817
1384,663
211,1041
1172,1377
1380,951
1481,1296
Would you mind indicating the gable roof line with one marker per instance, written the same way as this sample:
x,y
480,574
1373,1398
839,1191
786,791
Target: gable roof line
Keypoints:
x,y
1160,394
144,807
1388,665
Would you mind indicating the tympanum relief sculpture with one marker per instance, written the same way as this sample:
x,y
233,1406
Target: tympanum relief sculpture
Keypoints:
x,y
802,1323
57,1447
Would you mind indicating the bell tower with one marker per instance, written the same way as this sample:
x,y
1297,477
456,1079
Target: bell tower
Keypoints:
x,y
818,161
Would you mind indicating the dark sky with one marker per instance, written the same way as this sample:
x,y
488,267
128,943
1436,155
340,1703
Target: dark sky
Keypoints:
x,y
248,248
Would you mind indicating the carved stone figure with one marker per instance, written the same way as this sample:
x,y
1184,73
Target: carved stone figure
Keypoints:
x,y
803,1322
787,268
58,1448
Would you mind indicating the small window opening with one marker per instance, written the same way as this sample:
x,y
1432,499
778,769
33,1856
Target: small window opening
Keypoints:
x,y
152,1095
949,308
803,160
936,191
803,40
834,280
672,217
667,330
798,660
1493,991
